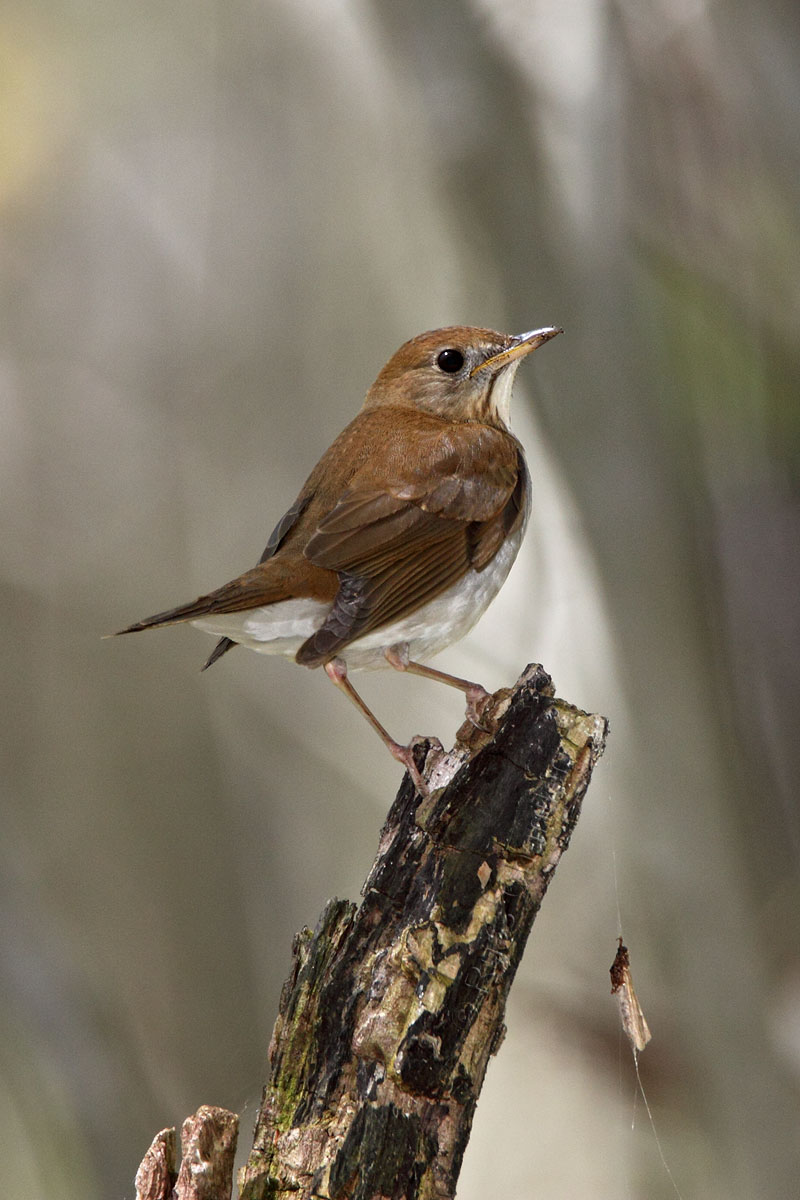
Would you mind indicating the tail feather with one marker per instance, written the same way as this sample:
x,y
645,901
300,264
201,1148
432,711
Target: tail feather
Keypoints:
x,y
222,647
267,583
184,612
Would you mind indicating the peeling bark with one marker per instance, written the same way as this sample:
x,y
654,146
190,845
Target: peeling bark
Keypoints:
x,y
158,1170
208,1146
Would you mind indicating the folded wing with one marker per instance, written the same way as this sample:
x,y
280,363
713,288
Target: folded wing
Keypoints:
x,y
401,544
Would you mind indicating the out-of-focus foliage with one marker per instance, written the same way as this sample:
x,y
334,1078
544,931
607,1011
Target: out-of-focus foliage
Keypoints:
x,y
217,222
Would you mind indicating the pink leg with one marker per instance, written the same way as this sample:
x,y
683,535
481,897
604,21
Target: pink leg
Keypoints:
x,y
336,670
477,696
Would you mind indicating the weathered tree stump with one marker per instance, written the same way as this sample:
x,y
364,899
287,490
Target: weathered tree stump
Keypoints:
x,y
392,1010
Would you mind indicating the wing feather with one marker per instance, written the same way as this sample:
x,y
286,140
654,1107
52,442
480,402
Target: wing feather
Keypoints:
x,y
398,546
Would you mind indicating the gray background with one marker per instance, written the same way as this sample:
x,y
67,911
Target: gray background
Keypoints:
x,y
218,221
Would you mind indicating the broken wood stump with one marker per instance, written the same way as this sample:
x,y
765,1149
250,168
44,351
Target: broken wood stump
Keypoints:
x,y
393,1009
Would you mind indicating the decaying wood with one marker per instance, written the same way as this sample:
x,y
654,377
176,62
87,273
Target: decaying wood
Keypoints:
x,y
158,1171
392,1010
208,1146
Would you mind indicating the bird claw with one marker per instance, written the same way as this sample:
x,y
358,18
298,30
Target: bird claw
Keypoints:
x,y
405,755
477,702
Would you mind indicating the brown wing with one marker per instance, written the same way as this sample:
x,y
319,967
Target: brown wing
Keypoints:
x,y
453,495
375,546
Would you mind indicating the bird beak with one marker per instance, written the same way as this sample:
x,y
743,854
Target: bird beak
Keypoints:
x,y
521,345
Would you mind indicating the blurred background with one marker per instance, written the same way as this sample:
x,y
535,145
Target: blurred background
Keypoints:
x,y
218,221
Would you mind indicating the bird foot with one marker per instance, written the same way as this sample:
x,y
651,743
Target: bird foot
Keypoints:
x,y
405,755
477,703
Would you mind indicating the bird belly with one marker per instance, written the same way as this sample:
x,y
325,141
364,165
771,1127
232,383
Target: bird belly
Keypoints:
x,y
272,629
440,622
283,627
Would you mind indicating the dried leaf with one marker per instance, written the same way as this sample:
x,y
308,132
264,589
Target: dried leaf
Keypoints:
x,y
630,1010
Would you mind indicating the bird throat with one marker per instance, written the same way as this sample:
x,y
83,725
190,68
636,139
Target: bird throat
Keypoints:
x,y
495,403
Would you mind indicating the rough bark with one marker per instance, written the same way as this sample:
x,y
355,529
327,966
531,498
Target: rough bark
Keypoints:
x,y
392,1010
208,1146
158,1170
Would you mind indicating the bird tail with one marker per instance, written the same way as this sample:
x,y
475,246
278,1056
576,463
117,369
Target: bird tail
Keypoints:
x,y
222,647
184,612
265,584
254,588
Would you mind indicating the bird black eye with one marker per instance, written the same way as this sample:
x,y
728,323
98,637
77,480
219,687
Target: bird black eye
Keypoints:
x,y
450,361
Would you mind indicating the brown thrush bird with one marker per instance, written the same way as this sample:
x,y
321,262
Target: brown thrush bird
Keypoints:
x,y
403,533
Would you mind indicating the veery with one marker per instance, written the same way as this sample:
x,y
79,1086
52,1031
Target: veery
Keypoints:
x,y
403,533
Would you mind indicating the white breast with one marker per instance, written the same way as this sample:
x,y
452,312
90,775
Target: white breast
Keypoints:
x,y
282,628
442,621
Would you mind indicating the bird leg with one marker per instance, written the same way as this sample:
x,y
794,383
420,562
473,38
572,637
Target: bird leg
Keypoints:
x,y
336,670
477,696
